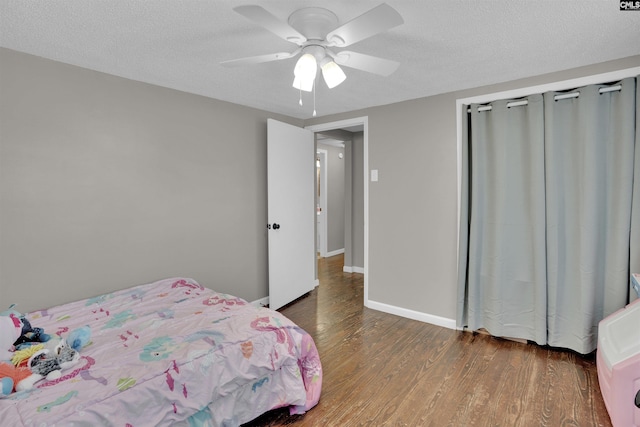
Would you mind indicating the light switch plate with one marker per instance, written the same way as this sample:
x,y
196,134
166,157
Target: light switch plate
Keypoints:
x,y
374,175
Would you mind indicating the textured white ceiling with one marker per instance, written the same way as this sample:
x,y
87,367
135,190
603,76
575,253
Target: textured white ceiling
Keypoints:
x,y
444,45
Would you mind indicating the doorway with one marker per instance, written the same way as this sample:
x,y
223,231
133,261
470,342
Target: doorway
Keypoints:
x,y
360,171
330,197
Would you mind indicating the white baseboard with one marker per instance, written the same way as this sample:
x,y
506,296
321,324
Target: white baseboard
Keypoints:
x,y
316,283
352,269
333,253
386,308
411,314
262,302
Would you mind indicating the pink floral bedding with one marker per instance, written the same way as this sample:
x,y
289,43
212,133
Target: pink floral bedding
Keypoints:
x,y
171,353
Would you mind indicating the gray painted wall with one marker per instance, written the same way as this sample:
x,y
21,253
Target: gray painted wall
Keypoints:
x,y
357,202
107,183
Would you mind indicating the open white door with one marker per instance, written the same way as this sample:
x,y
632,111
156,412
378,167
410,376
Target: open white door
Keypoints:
x,y
321,202
291,212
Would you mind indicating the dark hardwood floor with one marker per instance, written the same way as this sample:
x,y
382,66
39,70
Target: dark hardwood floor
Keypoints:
x,y
385,370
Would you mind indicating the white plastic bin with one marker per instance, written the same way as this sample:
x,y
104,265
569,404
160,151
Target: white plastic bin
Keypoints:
x,y
618,362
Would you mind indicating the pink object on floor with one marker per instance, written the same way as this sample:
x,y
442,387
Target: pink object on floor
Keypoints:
x,y
618,362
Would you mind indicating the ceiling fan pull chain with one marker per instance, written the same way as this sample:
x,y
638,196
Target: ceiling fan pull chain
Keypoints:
x,y
314,98
300,102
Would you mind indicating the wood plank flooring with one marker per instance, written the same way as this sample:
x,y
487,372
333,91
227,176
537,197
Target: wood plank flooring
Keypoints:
x,y
385,370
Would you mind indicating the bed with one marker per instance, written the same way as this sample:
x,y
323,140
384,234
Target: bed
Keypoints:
x,y
171,353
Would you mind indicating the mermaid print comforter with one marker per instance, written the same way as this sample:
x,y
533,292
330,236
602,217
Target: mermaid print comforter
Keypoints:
x,y
171,353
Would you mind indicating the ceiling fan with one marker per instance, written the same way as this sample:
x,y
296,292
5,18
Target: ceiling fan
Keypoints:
x,y
316,32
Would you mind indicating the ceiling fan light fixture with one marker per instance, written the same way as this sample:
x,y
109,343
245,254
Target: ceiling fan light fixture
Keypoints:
x,y
306,66
305,72
332,73
301,84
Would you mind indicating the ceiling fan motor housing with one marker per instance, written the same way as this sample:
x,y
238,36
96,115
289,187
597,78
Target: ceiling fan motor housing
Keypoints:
x,y
313,22
319,52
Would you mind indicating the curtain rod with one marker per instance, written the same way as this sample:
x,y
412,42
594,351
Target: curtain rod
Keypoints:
x,y
555,98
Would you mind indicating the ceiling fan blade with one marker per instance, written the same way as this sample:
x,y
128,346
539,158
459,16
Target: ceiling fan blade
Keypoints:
x,y
377,20
264,18
371,64
252,60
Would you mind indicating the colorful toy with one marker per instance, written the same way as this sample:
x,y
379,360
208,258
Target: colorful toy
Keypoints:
x,y
49,364
10,331
31,334
79,338
27,354
10,376
10,311
20,357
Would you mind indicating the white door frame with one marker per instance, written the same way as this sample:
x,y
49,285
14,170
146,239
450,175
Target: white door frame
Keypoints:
x,y
364,121
323,154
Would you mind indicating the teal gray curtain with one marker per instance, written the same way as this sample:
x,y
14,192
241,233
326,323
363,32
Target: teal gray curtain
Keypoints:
x,y
546,215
